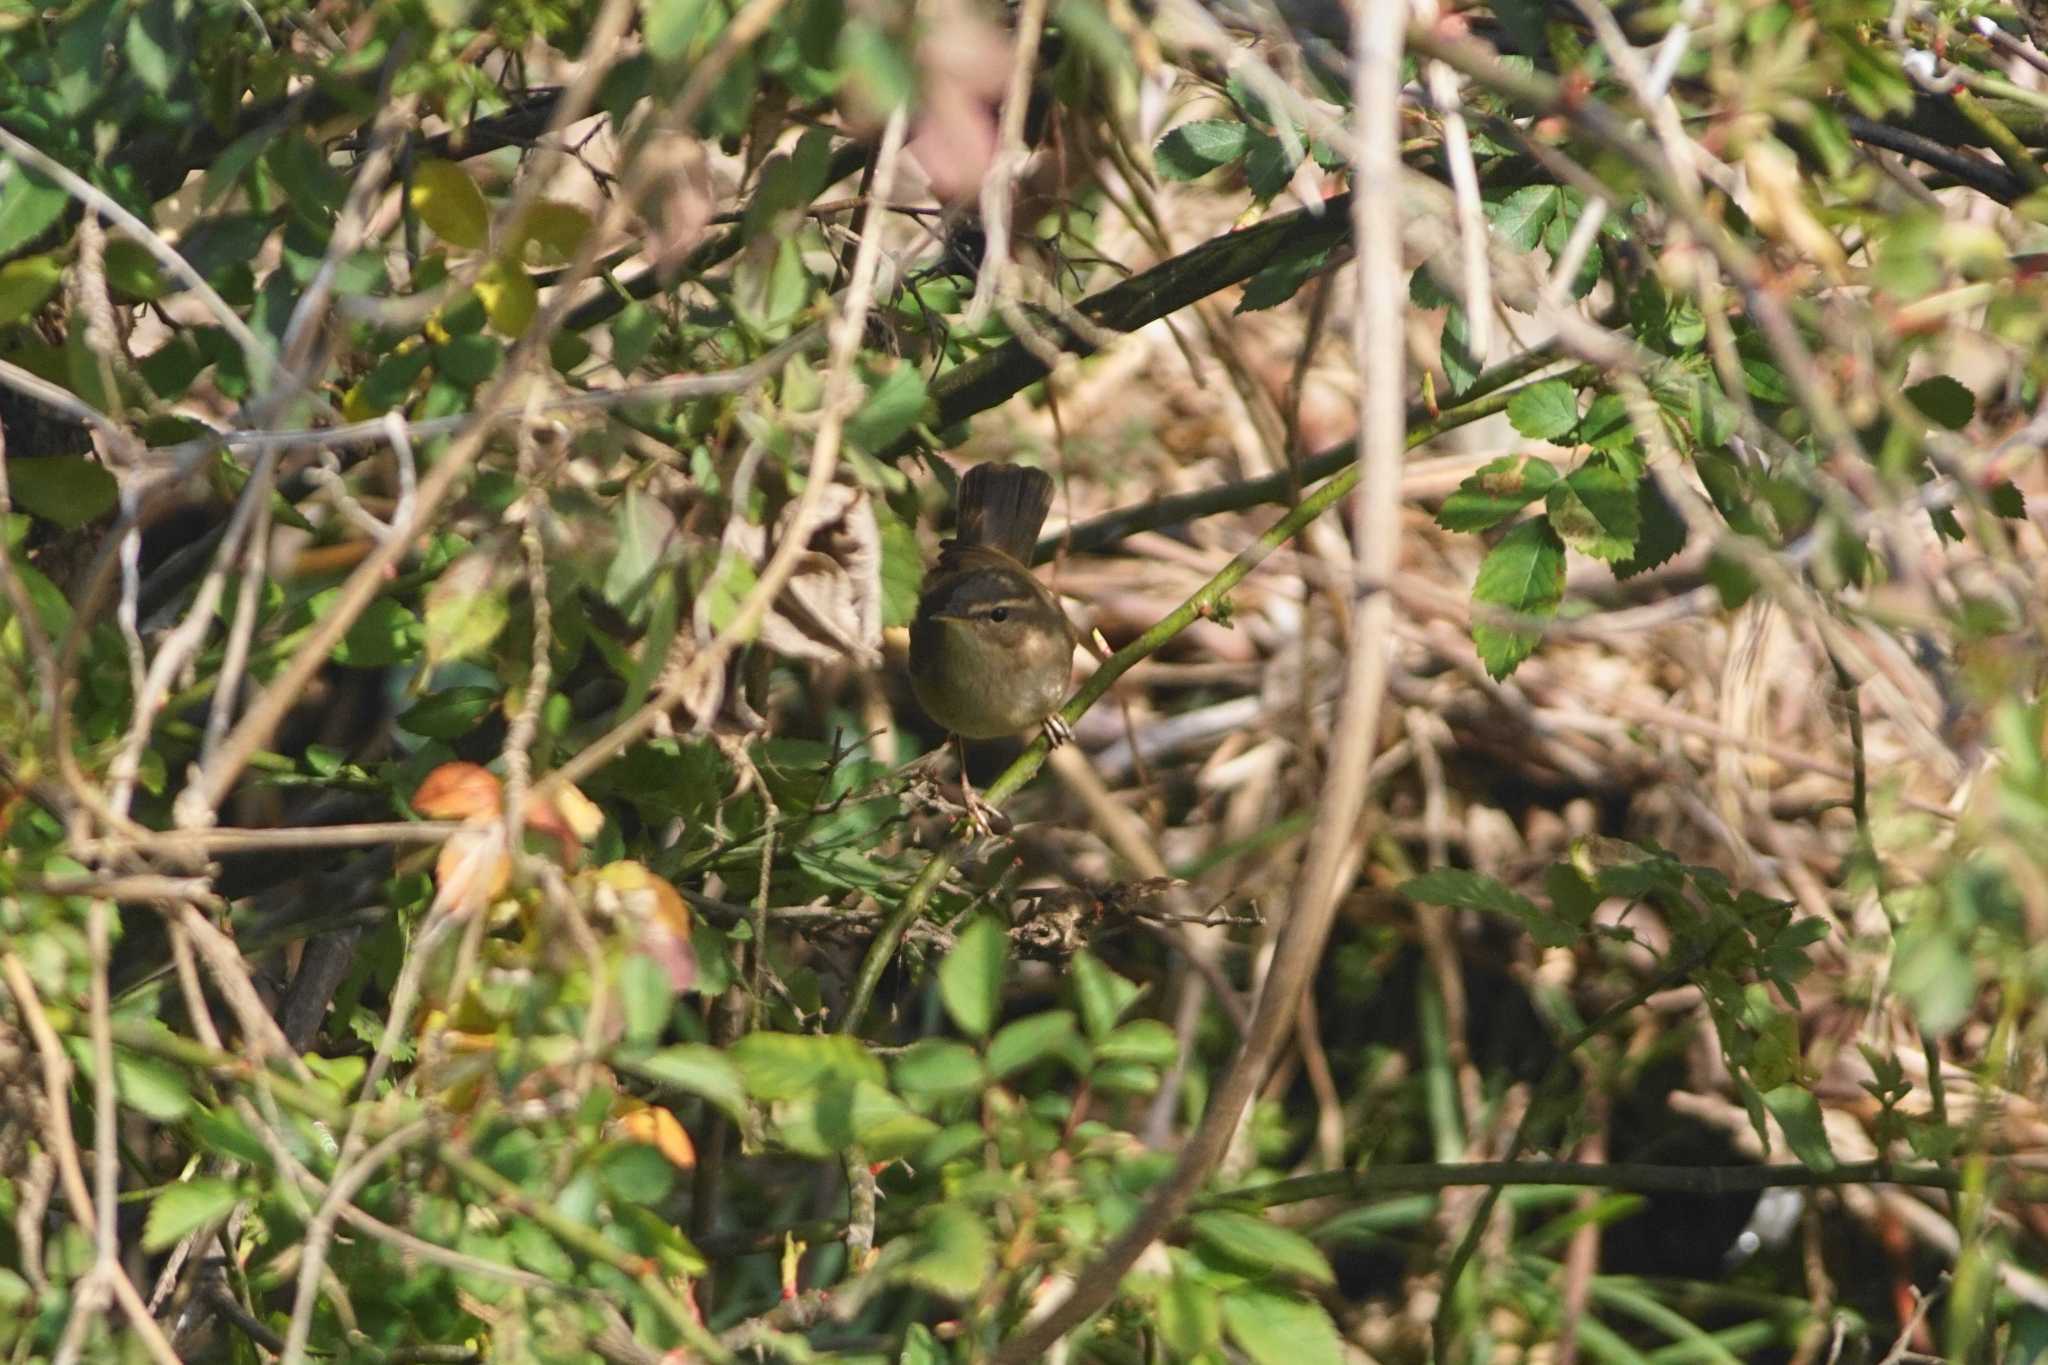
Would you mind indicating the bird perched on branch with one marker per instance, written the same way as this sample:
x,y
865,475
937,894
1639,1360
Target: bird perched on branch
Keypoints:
x,y
991,650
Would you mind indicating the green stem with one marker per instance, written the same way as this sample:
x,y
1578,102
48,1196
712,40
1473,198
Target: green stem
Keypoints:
x,y
1635,1177
1100,532
2003,141
1205,602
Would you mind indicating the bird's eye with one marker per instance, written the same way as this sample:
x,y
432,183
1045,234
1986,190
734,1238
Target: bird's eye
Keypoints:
x,y
999,614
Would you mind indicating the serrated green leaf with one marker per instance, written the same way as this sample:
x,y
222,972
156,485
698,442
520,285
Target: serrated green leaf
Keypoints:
x,y
1462,890
1798,1114
1195,149
1523,574
1278,1329
1282,279
1496,491
1259,1245
186,1208
1521,215
971,977
1595,509
1661,535
1267,165
1454,352
1544,411
1943,401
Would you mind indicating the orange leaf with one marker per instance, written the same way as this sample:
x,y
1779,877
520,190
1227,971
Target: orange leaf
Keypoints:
x,y
664,1132
458,791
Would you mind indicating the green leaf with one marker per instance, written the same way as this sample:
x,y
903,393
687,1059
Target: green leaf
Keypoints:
x,y
938,1068
784,1066
1596,511
1102,995
25,283
636,1173
1259,1245
1195,149
1523,574
1521,215
633,332
385,634
1496,491
1267,166
971,977
1190,1316
155,46
1464,890
1145,1041
465,609
902,568
1943,401
1028,1041
451,712
185,1208
2007,500
1282,278
697,1070
29,204
1662,534
133,273
893,406
646,993
509,296
1454,352
1276,1329
951,1253
885,1127
152,1087
448,201
1798,1113
69,490
1545,411
672,27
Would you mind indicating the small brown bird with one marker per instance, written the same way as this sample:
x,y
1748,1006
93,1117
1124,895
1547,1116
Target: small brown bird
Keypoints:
x,y
991,652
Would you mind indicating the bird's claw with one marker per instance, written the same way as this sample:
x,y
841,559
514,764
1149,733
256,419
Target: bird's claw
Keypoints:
x,y
1057,731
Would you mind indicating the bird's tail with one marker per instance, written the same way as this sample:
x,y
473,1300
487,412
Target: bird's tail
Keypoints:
x,y
1003,506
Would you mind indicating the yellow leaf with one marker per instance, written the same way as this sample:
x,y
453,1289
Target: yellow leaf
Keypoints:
x,y
449,202
552,233
508,296
25,283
